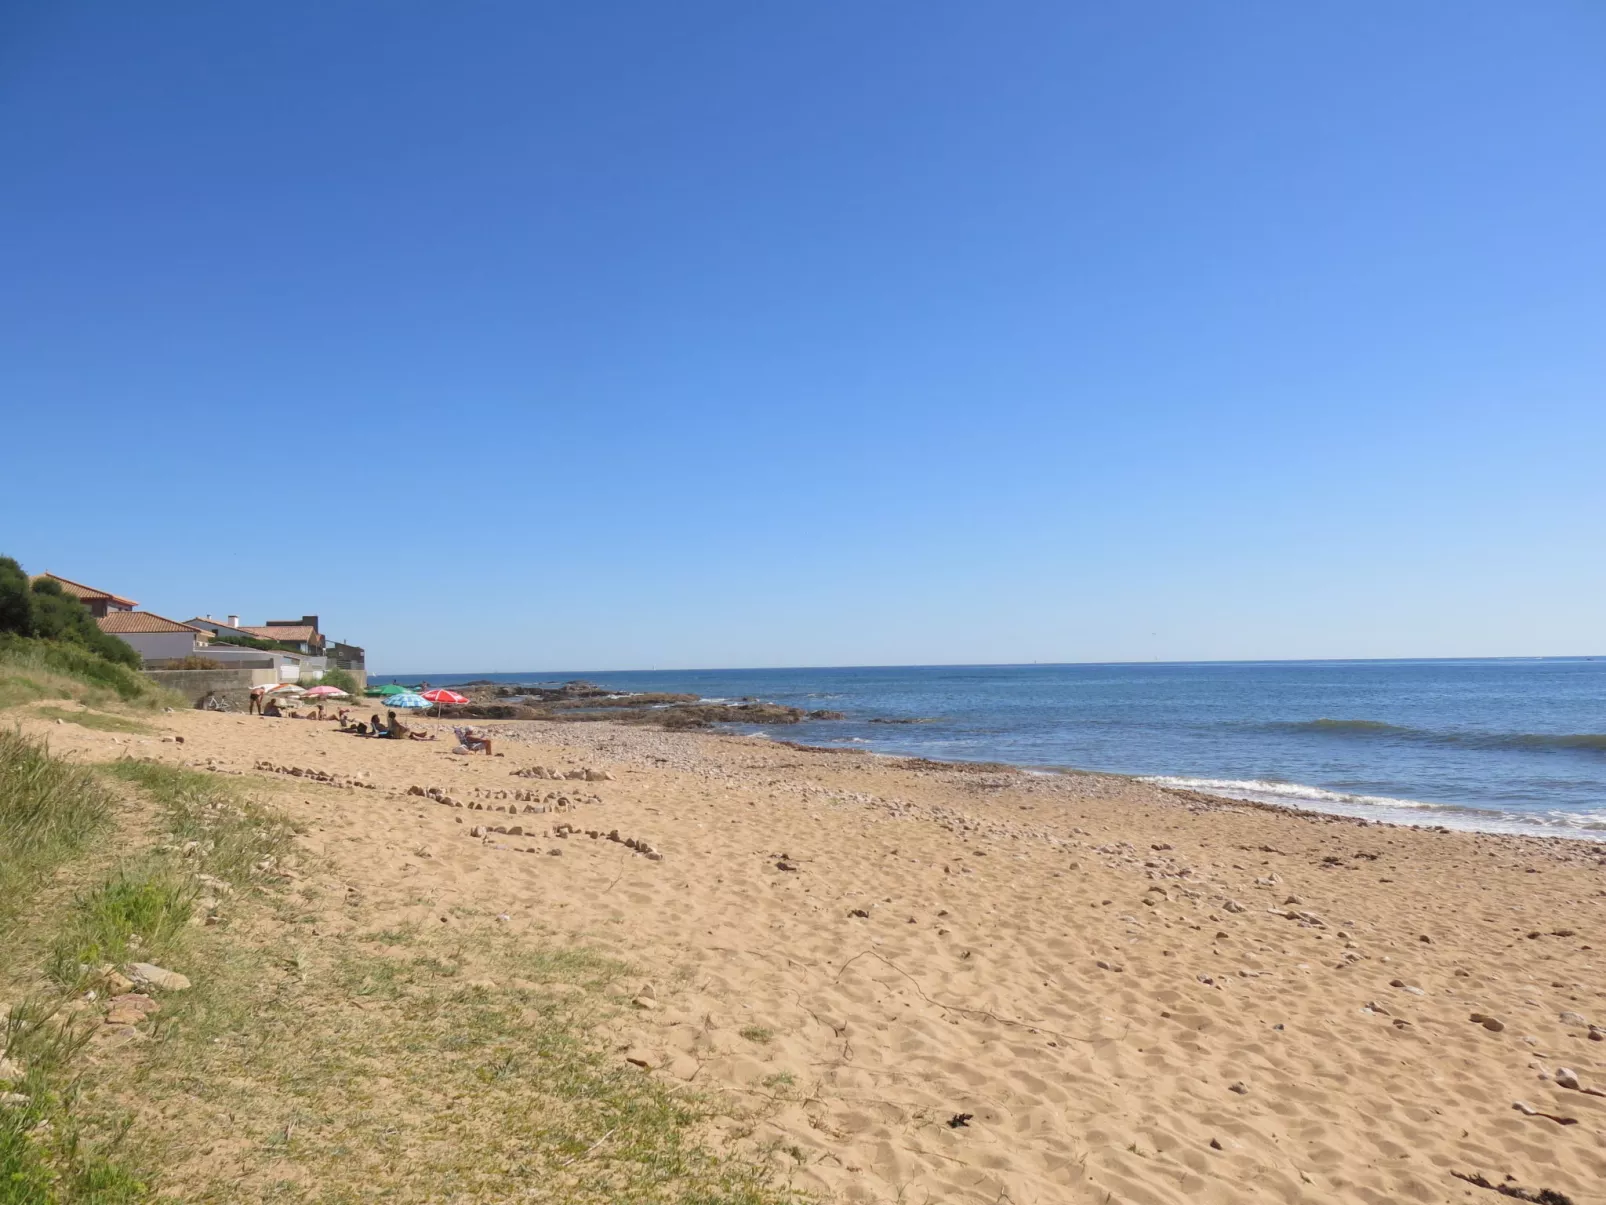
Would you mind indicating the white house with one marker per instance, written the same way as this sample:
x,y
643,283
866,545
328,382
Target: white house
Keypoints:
x,y
154,638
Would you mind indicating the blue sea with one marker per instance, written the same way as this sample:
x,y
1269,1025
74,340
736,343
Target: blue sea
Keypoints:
x,y
1498,745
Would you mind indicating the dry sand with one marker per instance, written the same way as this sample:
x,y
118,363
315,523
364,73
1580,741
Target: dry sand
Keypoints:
x,y
1133,995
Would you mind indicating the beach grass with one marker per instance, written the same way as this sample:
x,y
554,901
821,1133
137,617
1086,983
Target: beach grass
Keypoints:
x,y
138,914
50,812
403,1062
32,669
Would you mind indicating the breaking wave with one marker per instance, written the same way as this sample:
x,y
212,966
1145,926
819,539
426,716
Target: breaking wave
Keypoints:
x,y
1398,811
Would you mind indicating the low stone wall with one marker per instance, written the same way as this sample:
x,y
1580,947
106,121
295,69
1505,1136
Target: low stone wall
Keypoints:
x,y
231,688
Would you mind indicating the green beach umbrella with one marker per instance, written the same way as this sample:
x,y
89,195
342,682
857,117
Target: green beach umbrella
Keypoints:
x,y
392,689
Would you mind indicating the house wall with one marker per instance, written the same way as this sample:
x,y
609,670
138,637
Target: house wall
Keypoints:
x,y
157,646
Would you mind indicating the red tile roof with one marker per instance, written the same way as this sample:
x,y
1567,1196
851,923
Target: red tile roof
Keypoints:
x,y
117,622
87,593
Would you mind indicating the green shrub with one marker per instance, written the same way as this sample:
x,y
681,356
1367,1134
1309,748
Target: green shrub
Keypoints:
x,y
196,661
75,661
46,611
16,611
342,680
59,616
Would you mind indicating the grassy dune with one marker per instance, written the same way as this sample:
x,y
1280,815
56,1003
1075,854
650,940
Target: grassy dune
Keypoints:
x,y
298,1067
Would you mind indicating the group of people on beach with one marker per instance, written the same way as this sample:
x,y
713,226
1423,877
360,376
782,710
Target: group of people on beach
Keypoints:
x,y
268,705
390,728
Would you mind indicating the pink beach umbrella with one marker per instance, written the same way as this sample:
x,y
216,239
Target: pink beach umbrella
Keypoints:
x,y
326,692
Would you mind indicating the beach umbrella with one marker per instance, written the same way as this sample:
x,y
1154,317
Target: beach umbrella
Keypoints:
x,y
441,695
407,700
326,692
444,696
393,689
285,688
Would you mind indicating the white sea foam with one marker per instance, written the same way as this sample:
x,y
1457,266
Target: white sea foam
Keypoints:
x,y
1589,825
1291,793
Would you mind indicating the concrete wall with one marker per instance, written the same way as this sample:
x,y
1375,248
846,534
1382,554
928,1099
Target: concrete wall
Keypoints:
x,y
158,646
232,687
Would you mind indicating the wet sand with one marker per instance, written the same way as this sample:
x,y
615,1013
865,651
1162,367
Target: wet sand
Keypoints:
x,y
960,985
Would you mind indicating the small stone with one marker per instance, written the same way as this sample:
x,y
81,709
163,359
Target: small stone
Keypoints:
x,y
1238,1086
135,1000
1566,1077
1574,1019
1215,1144
117,984
125,1016
14,1098
556,853
160,977
645,1003
1109,966
1492,1024
1233,906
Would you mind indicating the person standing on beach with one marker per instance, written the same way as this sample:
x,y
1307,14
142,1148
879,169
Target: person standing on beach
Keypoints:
x,y
255,706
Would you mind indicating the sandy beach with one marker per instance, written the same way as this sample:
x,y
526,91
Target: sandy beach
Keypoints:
x,y
959,984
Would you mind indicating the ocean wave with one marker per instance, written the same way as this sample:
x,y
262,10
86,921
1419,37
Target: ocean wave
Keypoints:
x,y
1453,815
1594,742
1256,788
1326,725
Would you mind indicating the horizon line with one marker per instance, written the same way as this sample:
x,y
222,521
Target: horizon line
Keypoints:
x,y
548,675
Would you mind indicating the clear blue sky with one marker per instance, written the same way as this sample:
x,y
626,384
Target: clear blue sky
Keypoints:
x,y
517,336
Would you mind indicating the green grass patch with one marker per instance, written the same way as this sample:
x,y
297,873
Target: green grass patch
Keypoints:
x,y
757,1033
50,811
138,915
93,719
44,1156
472,1071
212,826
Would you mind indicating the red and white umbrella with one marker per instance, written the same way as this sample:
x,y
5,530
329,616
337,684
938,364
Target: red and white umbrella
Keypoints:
x,y
442,695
